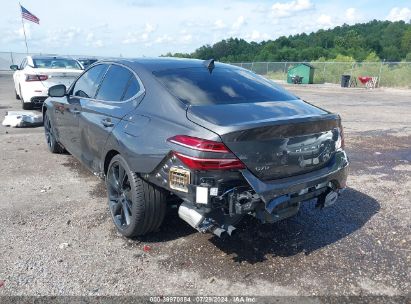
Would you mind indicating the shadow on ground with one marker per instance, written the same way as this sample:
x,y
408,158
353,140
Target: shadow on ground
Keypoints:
x,y
311,229
172,228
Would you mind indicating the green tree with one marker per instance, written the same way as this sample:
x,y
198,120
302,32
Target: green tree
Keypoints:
x,y
372,57
382,39
406,41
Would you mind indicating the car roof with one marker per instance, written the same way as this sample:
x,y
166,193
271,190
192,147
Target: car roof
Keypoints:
x,y
162,63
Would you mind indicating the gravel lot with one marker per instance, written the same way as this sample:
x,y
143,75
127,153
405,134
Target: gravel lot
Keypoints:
x,y
57,237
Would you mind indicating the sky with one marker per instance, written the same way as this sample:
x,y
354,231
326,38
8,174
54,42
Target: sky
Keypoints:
x,y
135,28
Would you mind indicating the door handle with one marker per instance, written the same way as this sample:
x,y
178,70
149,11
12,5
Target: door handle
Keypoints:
x,y
106,122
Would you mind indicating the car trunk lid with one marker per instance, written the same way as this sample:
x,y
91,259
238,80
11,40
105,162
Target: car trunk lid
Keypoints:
x,y
58,76
273,139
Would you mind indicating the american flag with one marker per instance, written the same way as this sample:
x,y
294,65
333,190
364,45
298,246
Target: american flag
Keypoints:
x,y
29,16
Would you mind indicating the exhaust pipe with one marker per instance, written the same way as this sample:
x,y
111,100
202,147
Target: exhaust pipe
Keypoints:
x,y
330,198
195,219
189,214
327,200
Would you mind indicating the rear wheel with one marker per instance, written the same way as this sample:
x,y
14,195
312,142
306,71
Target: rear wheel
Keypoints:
x,y
24,105
136,206
27,105
17,95
52,144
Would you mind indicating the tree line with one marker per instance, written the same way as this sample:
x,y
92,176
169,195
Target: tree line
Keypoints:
x,y
372,41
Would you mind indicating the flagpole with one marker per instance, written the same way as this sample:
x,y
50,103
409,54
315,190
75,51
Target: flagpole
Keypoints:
x,y
24,31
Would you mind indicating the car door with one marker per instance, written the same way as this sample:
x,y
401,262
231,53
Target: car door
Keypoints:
x,y
114,99
67,111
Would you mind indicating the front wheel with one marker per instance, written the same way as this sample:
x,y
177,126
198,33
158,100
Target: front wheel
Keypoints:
x,y
136,206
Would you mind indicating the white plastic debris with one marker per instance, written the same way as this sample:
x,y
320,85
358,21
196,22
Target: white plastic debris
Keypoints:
x,y
22,119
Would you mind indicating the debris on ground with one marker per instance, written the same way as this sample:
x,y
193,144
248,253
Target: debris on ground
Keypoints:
x,y
64,245
146,248
45,189
19,119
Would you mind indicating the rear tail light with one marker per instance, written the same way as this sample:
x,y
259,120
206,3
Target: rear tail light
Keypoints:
x,y
210,163
199,144
198,163
32,77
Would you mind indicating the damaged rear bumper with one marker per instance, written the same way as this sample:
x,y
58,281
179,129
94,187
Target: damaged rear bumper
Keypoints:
x,y
335,172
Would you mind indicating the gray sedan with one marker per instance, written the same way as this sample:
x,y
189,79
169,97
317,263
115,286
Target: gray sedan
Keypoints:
x,y
219,140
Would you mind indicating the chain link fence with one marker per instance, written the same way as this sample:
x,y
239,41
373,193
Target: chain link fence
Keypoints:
x,y
390,74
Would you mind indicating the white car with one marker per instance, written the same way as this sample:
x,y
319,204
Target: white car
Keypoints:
x,y
36,74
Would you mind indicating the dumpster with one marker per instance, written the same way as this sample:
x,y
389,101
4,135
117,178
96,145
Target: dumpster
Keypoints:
x,y
304,71
345,81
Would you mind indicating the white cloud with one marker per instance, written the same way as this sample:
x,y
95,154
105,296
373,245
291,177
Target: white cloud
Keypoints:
x,y
350,13
324,20
285,9
397,14
149,28
90,37
27,28
141,36
98,43
185,37
63,37
256,35
163,38
159,25
239,23
219,25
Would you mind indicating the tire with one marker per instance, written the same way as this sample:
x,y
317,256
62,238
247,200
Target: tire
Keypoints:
x,y
52,144
17,95
27,105
136,207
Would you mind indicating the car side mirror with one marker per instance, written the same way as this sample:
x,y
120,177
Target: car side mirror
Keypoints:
x,y
58,90
14,67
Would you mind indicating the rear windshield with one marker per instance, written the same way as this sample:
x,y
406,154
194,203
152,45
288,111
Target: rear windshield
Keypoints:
x,y
52,63
197,86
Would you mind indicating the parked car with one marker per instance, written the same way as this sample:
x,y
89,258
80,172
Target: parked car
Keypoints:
x,y
37,73
87,61
221,141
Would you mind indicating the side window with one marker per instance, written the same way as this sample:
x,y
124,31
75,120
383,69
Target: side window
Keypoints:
x,y
114,84
132,89
86,86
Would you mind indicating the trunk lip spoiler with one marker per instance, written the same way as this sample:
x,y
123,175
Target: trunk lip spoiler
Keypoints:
x,y
198,118
336,170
